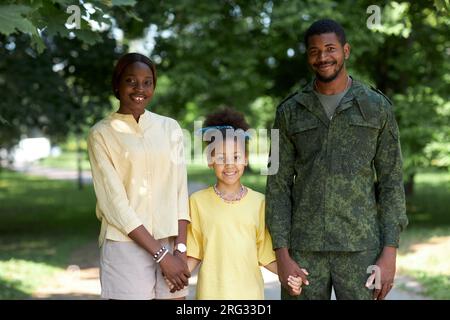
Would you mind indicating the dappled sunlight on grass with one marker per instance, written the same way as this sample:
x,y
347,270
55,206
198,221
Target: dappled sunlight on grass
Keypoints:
x,y
44,221
67,160
24,276
23,248
430,204
36,205
434,179
425,255
27,263
12,289
432,256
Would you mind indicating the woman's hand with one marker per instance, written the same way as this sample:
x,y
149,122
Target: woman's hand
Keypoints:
x,y
182,256
174,268
176,271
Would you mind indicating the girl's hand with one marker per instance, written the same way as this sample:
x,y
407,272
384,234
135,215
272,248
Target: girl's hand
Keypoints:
x,y
289,267
295,283
169,284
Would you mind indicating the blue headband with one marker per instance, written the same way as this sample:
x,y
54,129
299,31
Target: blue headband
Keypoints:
x,y
201,131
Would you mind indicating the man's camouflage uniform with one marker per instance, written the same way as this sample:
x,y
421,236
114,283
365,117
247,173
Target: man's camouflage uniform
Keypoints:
x,y
338,196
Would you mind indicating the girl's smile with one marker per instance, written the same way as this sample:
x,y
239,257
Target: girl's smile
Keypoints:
x,y
229,163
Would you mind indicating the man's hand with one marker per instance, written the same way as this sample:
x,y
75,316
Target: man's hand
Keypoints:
x,y
288,267
387,264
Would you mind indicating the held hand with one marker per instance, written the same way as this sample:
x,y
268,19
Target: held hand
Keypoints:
x,y
169,284
295,283
387,265
182,256
287,267
176,271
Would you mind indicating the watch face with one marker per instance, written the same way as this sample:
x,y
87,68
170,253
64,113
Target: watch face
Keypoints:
x,y
181,247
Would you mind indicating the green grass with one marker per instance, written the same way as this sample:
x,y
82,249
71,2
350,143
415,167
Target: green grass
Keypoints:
x,y
430,204
436,286
42,222
424,254
67,160
20,278
425,245
428,212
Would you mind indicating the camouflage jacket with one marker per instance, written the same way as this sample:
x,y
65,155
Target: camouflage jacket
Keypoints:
x,y
339,184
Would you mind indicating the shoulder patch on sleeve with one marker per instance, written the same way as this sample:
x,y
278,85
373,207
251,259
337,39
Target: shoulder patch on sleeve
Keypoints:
x,y
286,99
379,91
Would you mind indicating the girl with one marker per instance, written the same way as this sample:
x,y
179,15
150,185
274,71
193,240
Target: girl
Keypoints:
x,y
141,191
227,232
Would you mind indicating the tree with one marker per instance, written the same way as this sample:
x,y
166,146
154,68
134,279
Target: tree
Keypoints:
x,y
249,54
62,18
47,68
246,54
56,79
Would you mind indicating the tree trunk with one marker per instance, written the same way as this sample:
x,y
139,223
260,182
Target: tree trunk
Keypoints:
x,y
79,163
409,185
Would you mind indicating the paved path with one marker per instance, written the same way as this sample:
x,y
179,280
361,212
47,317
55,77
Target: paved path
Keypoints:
x,y
81,281
52,173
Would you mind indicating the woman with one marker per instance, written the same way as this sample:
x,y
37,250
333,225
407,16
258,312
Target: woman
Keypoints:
x,y
140,182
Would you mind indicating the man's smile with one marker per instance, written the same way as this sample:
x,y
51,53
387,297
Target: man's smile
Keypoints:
x,y
324,66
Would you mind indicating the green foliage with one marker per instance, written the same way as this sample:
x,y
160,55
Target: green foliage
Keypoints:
x,y
244,54
442,5
237,53
43,18
58,91
12,19
123,2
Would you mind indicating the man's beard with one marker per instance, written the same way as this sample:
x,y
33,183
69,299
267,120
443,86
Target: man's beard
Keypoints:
x,y
330,78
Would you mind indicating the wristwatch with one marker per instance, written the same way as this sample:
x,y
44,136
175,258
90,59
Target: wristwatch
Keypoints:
x,y
181,247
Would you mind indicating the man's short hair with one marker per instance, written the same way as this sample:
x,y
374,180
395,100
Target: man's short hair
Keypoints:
x,y
325,26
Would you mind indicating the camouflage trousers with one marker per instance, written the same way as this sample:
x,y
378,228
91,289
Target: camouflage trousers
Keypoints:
x,y
346,272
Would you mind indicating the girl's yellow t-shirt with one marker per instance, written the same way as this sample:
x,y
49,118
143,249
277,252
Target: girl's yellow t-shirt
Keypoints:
x,y
232,241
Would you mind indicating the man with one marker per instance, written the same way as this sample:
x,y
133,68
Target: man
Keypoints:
x,y
337,204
